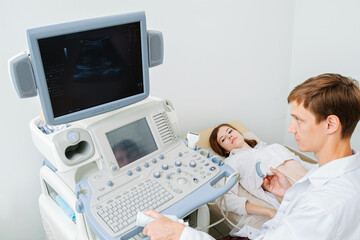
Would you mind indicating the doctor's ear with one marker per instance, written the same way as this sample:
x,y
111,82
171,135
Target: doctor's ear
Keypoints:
x,y
333,124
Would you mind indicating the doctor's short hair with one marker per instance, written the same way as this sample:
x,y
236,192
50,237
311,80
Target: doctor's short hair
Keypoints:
x,y
330,94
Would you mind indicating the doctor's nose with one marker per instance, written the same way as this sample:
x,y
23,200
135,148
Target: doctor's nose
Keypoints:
x,y
291,128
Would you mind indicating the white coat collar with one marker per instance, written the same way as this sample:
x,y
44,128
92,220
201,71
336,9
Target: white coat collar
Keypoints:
x,y
321,175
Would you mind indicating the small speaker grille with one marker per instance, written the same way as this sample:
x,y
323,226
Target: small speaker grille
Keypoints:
x,y
22,76
162,124
23,72
155,46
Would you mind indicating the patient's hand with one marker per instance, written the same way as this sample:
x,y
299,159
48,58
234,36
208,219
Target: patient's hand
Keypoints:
x,y
271,213
277,183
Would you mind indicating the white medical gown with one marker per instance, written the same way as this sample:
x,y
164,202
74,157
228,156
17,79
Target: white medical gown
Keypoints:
x,y
243,161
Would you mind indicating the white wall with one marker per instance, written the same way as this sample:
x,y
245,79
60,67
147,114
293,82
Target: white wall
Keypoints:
x,y
326,39
224,60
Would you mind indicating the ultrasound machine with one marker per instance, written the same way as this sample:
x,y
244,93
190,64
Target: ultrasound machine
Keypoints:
x,y
110,149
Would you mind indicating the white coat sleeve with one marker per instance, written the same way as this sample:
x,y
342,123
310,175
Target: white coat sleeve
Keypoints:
x,y
306,223
193,234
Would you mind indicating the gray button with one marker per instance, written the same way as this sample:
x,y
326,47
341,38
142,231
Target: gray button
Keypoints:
x,y
177,191
181,181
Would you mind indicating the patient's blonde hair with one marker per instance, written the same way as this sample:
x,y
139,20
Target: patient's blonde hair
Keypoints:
x,y
214,144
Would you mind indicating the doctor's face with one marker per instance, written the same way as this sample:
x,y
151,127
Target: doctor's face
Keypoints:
x,y
229,139
308,134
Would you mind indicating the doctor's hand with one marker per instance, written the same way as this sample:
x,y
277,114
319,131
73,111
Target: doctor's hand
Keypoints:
x,y
277,183
162,227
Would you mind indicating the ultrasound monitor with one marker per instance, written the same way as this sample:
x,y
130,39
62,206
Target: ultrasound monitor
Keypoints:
x,y
131,142
90,67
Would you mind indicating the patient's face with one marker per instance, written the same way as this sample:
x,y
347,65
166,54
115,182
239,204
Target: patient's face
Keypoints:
x,y
308,134
230,139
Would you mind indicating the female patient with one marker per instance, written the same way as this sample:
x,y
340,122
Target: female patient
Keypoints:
x,y
242,155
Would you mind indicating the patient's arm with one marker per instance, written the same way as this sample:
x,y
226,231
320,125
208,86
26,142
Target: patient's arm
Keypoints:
x,y
241,206
234,203
259,210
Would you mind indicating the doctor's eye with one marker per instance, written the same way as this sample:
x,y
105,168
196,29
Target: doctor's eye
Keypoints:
x,y
296,119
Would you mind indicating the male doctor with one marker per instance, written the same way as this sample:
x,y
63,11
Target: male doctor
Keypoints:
x,y
325,203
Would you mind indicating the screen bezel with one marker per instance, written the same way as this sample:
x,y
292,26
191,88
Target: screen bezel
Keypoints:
x,y
84,25
114,122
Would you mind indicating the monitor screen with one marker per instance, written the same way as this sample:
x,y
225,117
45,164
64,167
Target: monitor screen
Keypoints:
x,y
131,142
89,67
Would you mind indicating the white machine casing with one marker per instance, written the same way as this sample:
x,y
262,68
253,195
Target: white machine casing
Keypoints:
x,y
62,181
66,155
58,226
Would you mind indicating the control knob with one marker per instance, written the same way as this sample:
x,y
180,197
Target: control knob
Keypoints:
x,y
156,174
165,167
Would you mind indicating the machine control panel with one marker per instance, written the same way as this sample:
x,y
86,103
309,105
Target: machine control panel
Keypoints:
x,y
176,173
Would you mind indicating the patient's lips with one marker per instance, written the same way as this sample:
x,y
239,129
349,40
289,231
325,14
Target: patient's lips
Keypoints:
x,y
233,140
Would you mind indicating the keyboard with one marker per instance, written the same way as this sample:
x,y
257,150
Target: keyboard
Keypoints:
x,y
175,182
121,211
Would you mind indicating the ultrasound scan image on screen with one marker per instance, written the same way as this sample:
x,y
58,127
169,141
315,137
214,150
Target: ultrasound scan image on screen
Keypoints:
x,y
131,142
90,68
